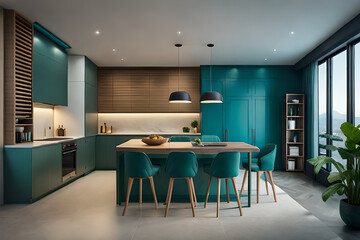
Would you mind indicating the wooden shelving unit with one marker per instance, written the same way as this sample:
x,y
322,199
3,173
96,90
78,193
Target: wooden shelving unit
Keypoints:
x,y
294,134
18,94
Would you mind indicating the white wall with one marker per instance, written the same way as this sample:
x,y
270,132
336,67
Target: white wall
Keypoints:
x,y
1,105
43,122
147,122
72,117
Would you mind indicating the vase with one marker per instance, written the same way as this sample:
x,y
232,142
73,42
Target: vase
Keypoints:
x,y
350,214
195,129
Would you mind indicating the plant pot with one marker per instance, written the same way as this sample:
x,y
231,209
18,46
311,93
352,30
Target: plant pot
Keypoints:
x,y
195,129
350,214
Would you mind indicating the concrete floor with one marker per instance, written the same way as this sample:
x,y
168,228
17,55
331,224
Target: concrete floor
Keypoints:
x,y
86,209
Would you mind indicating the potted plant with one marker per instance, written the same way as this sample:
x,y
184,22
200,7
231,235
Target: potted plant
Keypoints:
x,y
194,124
347,179
186,129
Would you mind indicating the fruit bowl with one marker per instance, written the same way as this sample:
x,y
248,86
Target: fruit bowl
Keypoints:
x,y
154,141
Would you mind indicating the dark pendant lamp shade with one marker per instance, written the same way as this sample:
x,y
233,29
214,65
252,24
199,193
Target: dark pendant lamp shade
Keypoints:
x,y
211,97
179,97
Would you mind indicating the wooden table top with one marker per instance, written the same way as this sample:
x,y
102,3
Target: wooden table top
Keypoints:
x,y
137,145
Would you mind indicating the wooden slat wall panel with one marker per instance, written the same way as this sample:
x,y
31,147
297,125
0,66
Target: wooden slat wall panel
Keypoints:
x,y
18,45
141,90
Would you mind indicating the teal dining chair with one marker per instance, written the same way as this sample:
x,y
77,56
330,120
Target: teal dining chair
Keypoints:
x,y
179,139
224,166
181,165
139,166
262,164
210,138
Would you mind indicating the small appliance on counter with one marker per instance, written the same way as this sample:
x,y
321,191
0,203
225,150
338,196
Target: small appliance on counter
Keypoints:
x,y
105,129
61,131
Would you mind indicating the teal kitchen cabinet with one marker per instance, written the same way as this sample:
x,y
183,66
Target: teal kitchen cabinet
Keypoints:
x,y
85,155
30,173
91,119
253,103
80,156
106,150
50,65
46,169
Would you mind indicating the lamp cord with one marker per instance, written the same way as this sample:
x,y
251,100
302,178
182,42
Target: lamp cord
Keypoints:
x,y
211,69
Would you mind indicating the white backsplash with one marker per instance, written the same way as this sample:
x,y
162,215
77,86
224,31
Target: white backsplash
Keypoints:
x,y
148,122
43,119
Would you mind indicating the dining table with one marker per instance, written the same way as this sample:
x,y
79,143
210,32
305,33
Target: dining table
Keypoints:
x,y
158,154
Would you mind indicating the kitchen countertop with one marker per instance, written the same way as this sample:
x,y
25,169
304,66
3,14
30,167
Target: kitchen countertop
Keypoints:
x,y
36,144
147,133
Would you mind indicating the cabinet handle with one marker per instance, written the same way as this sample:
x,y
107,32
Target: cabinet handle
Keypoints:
x,y
67,152
226,134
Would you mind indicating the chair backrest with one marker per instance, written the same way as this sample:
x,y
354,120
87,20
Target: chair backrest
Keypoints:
x,y
137,164
181,164
225,165
210,138
266,157
179,139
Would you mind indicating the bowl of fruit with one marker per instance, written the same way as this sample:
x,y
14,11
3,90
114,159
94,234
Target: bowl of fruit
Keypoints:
x,y
153,140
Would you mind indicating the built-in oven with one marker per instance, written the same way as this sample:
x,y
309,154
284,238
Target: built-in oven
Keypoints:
x,y
68,160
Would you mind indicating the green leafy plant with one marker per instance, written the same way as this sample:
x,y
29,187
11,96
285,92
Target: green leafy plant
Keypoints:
x,y
194,124
197,140
347,179
186,129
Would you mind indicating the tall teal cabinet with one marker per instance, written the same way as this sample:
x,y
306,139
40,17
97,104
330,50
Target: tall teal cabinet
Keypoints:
x,y
252,110
50,64
91,119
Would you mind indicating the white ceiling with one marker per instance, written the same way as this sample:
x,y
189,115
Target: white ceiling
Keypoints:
x,y
143,31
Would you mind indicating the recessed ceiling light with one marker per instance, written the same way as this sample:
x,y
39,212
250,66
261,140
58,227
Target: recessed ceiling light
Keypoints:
x,y
178,32
114,49
292,33
265,59
275,50
97,32
122,59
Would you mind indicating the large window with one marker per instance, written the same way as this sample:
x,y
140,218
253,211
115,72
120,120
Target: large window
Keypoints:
x,y
322,105
339,99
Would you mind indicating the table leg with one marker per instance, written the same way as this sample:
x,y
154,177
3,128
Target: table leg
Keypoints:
x,y
249,179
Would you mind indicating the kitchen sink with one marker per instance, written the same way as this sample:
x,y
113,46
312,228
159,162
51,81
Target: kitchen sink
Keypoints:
x,y
52,139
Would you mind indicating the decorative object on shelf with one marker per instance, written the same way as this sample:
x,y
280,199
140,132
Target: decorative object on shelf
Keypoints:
x,y
194,124
179,96
211,97
294,133
153,140
292,124
291,163
198,141
186,129
347,178
105,129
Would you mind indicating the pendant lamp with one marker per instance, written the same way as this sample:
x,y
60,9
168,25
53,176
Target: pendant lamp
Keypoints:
x,y
211,97
179,96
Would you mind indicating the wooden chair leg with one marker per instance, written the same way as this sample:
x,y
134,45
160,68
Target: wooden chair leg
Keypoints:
x,y
191,194
168,192
258,174
243,183
193,187
237,195
140,191
207,192
130,182
272,184
153,191
218,197
227,190
266,184
171,183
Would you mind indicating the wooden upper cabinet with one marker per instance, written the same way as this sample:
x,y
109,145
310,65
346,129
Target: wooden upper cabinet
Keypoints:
x,y
142,90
